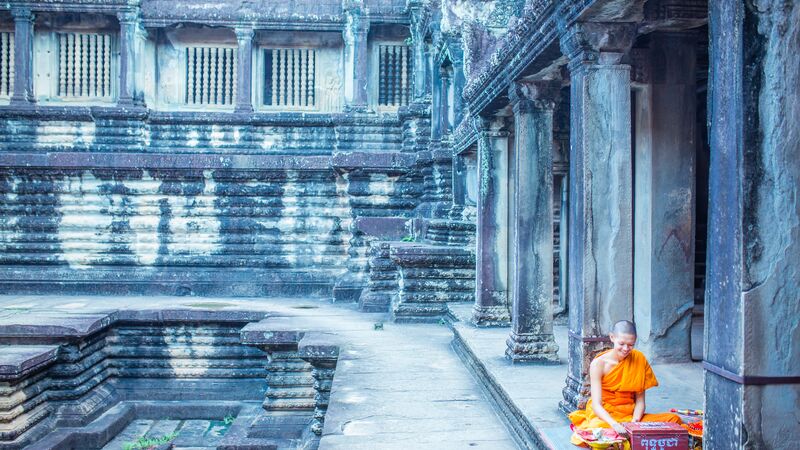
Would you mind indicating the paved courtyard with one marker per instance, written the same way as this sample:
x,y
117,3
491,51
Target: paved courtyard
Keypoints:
x,y
396,387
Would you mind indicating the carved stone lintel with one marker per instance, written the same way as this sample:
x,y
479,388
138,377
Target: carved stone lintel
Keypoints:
x,y
491,316
597,43
533,348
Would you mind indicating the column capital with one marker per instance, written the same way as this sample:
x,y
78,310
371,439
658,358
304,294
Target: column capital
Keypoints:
x,y
22,14
495,126
526,96
597,43
244,35
127,17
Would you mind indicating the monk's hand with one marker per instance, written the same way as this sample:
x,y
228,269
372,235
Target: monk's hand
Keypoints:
x,y
619,429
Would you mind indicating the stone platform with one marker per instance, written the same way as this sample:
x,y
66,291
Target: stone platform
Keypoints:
x,y
396,385
527,396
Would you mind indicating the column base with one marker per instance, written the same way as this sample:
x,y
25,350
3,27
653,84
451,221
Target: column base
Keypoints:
x,y
357,109
491,316
27,100
576,393
532,348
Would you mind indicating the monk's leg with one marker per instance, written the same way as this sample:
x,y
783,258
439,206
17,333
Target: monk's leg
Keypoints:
x,y
662,417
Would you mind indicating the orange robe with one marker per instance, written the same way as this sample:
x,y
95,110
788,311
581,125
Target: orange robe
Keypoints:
x,y
633,374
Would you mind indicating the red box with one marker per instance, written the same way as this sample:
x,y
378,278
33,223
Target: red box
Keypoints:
x,y
657,436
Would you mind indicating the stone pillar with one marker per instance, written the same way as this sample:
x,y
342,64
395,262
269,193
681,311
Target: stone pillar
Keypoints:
x,y
428,69
752,337
436,95
491,290
23,56
600,235
356,57
419,28
531,224
664,222
244,74
458,81
563,246
127,59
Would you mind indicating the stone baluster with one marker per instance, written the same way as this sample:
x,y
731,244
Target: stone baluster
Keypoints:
x,y
356,56
127,57
491,291
23,56
600,235
244,74
531,223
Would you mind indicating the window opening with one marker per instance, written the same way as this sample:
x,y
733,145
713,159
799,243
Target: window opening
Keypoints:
x,y
210,75
6,64
394,84
84,65
289,77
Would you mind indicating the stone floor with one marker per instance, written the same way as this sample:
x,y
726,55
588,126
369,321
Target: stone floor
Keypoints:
x,y
189,434
402,386
396,387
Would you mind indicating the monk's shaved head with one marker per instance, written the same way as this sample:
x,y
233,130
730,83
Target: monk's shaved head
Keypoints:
x,y
624,327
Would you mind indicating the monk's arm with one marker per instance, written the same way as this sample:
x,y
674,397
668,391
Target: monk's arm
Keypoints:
x,y
638,408
596,379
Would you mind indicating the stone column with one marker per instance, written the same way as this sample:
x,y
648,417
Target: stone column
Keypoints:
x,y
23,56
752,337
436,99
127,59
600,235
491,291
356,57
244,74
531,221
458,82
563,245
445,127
665,197
419,28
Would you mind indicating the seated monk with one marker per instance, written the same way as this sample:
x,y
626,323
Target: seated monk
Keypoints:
x,y
619,378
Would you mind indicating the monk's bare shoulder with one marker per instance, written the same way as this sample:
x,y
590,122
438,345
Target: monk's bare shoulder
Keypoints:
x,y
603,364
598,365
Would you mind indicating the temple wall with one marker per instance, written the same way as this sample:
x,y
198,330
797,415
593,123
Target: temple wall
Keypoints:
x,y
161,206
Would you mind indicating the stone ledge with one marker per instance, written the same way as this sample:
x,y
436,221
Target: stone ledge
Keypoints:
x,y
525,434
18,361
68,327
143,161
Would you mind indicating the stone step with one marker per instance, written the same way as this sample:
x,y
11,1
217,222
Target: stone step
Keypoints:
x,y
18,360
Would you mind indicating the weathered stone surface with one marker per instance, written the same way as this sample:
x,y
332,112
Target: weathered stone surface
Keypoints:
x,y
157,356
491,285
531,224
601,232
665,198
751,305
